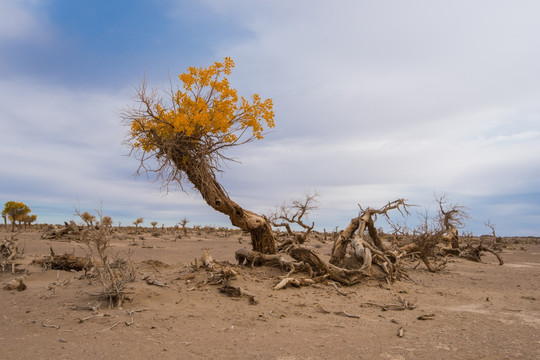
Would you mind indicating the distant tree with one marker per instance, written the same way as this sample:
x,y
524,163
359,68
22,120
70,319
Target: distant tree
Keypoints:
x,y
15,211
137,222
181,135
497,240
183,223
154,223
106,221
28,220
88,218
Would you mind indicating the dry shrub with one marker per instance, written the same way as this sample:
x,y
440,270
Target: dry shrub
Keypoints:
x,y
114,271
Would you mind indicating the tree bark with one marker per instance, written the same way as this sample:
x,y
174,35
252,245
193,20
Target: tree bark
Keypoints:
x,y
202,177
340,245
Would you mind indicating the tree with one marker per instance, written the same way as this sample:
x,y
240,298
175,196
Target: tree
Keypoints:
x,y
106,221
367,248
183,223
154,223
451,217
28,220
137,222
88,218
182,135
15,211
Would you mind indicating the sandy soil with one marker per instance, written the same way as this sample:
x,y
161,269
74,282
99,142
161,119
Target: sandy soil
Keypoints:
x,y
480,310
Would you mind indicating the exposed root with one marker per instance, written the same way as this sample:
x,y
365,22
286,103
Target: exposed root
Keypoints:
x,y
15,284
321,267
340,312
403,305
236,291
151,280
294,282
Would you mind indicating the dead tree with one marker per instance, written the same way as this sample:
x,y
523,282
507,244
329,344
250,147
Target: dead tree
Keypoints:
x,y
294,213
366,250
9,253
497,240
435,239
451,217
473,251
424,243
183,223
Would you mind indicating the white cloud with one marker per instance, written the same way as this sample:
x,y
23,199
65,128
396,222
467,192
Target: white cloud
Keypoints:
x,y
19,21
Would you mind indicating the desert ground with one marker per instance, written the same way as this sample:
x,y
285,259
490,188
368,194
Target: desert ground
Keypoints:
x,y
468,310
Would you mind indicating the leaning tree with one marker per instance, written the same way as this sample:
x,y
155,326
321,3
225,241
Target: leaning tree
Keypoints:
x,y
181,134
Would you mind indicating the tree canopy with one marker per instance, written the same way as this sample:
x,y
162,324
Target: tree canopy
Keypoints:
x,y
194,123
15,211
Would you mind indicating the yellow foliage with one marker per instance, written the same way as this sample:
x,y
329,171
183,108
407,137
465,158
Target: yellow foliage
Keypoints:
x,y
15,211
205,106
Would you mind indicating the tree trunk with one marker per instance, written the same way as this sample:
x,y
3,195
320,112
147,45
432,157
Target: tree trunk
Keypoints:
x,y
340,245
201,176
455,239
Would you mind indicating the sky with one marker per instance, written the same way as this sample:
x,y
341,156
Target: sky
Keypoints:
x,y
374,101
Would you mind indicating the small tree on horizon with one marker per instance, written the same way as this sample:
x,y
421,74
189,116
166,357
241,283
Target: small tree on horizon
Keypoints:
x,y
106,221
28,220
88,218
182,134
137,222
183,223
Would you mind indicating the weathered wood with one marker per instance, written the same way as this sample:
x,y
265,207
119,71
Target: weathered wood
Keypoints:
x,y
235,291
65,262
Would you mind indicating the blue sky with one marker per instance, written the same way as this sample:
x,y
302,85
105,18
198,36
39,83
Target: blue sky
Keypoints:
x,y
374,101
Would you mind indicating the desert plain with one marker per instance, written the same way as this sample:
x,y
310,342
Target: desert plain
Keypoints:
x,y
468,310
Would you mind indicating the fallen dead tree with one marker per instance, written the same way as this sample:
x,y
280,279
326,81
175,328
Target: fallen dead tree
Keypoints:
x,y
430,249
9,253
66,262
425,247
433,243
370,258
306,260
472,250
70,231
366,245
361,251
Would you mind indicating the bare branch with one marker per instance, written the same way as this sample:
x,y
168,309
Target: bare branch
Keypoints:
x,y
295,213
